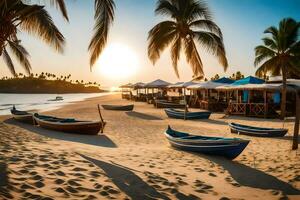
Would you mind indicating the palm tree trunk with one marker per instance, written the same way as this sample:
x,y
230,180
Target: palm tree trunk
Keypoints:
x,y
283,93
297,119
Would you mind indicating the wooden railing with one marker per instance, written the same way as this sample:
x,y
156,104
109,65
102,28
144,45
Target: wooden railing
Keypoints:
x,y
252,109
237,108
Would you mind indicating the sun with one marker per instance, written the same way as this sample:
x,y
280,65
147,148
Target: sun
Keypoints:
x,y
117,61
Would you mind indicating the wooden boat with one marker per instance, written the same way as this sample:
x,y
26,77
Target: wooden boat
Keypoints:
x,y
69,125
226,147
167,104
181,114
118,107
257,131
22,116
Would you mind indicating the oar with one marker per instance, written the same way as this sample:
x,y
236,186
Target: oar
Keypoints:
x,y
103,123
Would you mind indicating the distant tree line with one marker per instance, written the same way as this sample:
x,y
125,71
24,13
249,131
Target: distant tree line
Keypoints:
x,y
46,83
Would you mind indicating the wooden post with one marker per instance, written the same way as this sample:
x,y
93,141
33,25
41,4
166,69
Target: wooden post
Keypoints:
x,y
296,126
102,121
265,103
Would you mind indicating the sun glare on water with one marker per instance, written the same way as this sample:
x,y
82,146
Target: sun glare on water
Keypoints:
x,y
117,61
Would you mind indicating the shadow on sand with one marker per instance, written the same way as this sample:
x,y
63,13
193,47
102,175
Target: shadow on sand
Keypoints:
x,y
4,182
212,121
289,138
142,116
250,177
96,140
127,181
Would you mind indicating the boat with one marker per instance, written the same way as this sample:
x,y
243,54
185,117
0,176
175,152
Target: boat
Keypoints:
x,y
167,104
257,131
181,114
69,125
227,147
118,107
22,116
58,98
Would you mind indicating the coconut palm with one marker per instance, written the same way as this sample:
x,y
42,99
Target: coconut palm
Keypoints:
x,y
34,19
280,53
190,23
104,16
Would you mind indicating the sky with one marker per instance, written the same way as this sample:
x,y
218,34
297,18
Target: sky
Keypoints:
x,y
241,21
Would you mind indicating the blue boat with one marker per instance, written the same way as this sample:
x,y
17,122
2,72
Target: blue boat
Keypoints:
x,y
181,114
257,131
226,147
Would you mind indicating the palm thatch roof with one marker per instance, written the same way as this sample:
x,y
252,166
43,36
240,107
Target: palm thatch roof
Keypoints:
x,y
128,85
182,84
157,84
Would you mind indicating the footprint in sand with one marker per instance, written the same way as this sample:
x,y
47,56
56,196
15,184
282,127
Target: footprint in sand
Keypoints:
x,y
97,186
37,177
59,181
60,173
39,184
71,189
73,183
202,187
212,174
78,169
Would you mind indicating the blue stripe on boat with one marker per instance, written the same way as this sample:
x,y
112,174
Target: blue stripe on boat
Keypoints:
x,y
257,131
178,114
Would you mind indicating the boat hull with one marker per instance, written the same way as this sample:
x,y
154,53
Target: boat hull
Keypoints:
x,y
229,151
172,113
22,116
256,131
167,104
229,148
28,119
116,107
86,128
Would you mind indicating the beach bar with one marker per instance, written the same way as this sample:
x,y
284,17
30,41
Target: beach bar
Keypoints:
x,y
178,91
206,96
253,97
156,90
139,92
126,91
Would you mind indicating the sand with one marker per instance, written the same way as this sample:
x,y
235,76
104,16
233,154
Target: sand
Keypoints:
x,y
133,160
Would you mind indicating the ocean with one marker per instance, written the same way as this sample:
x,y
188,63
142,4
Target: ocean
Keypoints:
x,y
40,102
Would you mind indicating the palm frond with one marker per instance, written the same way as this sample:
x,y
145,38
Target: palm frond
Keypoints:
x,y
196,9
21,54
213,44
159,37
175,54
269,42
165,7
104,16
207,25
62,7
271,65
193,58
8,62
263,53
40,23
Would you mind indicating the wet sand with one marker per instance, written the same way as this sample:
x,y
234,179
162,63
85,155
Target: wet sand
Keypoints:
x,y
133,160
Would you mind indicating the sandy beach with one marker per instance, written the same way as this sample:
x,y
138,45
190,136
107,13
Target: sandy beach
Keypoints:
x,y
133,159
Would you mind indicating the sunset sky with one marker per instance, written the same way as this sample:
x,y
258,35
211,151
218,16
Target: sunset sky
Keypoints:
x,y
241,21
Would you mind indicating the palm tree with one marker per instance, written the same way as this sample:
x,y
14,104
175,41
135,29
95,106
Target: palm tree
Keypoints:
x,y
280,53
33,19
190,22
104,16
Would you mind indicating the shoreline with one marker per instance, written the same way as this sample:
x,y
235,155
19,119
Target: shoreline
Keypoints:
x,y
36,104
134,160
